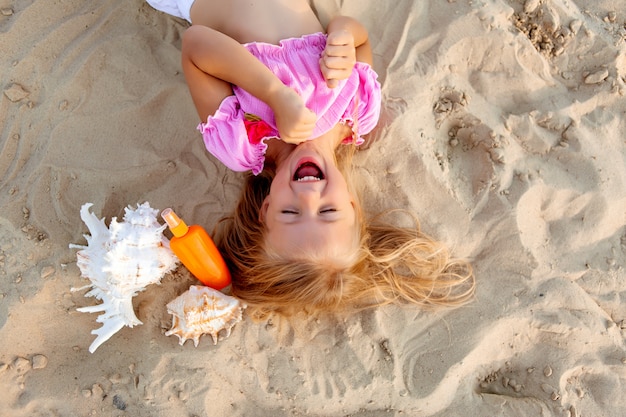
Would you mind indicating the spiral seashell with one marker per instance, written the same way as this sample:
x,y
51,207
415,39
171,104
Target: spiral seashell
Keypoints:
x,y
121,261
203,310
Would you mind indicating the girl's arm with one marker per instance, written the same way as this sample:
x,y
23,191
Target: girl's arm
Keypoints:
x,y
213,61
347,43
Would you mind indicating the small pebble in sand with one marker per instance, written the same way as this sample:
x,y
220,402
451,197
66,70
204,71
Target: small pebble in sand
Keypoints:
x,y
47,272
6,12
575,26
531,5
119,403
16,93
22,365
597,76
547,371
97,391
119,379
40,361
612,17
496,155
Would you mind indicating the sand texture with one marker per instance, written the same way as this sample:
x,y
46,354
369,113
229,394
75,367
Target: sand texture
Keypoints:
x,y
503,130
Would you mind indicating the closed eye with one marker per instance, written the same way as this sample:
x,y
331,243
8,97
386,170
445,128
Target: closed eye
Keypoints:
x,y
289,212
328,210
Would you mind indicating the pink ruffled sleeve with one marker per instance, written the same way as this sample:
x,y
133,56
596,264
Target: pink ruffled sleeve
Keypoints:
x,y
369,99
363,111
225,137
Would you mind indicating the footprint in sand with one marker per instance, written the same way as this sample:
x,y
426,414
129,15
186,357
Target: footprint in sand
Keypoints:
x,y
474,150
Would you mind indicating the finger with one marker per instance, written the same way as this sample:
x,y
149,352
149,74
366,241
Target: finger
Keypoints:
x,y
311,117
337,74
332,83
339,51
307,118
342,37
301,129
293,141
332,77
301,132
299,135
338,63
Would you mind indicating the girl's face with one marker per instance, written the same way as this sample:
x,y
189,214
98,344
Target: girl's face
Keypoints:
x,y
309,209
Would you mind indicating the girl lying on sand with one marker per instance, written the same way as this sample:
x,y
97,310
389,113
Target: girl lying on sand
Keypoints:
x,y
288,101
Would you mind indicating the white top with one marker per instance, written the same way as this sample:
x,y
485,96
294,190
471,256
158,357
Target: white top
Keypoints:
x,y
178,8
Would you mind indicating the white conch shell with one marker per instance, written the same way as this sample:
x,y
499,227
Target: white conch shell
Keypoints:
x,y
120,261
203,310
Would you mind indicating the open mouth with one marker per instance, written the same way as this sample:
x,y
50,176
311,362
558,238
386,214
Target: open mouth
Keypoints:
x,y
308,171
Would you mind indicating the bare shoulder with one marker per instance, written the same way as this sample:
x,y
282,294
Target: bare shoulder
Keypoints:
x,y
209,12
256,20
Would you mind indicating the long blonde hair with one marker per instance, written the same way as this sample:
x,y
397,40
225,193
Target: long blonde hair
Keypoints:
x,y
390,265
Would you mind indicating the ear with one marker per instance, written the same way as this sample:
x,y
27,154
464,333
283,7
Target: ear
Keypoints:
x,y
263,211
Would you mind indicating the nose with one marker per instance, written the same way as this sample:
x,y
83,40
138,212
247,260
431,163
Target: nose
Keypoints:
x,y
309,200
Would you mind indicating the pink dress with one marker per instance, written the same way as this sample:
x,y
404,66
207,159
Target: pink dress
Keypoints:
x,y
236,137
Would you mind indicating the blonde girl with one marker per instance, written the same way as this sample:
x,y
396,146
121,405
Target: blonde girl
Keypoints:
x,y
281,97
387,264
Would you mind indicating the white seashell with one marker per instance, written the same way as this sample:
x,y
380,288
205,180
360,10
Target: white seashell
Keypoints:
x,y
120,261
203,310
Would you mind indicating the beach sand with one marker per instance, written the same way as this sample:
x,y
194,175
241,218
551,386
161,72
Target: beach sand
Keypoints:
x,y
503,130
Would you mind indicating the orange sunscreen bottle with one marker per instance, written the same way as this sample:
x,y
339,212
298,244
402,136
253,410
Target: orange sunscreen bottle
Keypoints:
x,y
196,250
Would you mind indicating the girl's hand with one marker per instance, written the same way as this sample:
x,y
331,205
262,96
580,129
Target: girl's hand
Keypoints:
x,y
294,121
338,58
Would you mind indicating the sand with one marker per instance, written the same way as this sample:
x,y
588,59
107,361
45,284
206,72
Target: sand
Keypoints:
x,y
503,129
